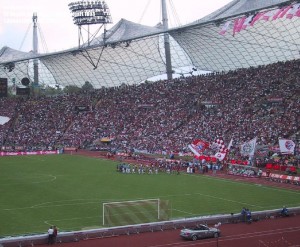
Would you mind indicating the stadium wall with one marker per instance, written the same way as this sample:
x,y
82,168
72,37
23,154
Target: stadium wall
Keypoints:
x,y
75,236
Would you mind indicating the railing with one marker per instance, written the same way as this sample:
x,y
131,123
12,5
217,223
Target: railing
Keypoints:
x,y
76,236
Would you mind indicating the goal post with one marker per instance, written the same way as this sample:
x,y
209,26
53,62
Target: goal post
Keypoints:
x,y
135,212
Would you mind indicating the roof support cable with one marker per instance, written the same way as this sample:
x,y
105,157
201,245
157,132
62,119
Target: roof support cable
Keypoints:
x,y
146,8
28,28
176,16
90,59
91,36
44,43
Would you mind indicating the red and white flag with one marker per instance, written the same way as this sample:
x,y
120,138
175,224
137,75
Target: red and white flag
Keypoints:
x,y
230,144
256,18
286,146
285,11
277,13
248,148
198,146
217,145
267,15
194,151
297,12
280,13
225,27
238,24
220,156
247,22
292,11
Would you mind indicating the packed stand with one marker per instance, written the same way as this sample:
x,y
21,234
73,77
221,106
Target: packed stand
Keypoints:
x,y
165,116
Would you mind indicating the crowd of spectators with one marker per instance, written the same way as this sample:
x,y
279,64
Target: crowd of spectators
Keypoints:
x,y
246,171
163,116
8,107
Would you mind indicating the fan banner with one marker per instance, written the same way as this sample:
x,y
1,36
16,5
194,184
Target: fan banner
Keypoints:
x,y
199,145
193,150
248,148
242,23
4,120
286,146
225,27
220,156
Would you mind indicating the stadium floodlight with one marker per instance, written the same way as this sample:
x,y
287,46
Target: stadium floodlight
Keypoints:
x,y
86,13
90,12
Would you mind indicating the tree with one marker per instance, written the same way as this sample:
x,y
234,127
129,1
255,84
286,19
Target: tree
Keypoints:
x,y
71,89
87,87
49,90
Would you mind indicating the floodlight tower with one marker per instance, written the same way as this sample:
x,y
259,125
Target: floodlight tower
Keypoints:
x,y
35,50
166,40
86,13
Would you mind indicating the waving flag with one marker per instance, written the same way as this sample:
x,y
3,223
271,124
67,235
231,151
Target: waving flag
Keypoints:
x,y
285,11
292,11
225,27
217,145
248,148
198,146
268,15
297,13
238,24
247,22
221,154
4,120
286,146
244,22
256,18
281,12
195,152
230,144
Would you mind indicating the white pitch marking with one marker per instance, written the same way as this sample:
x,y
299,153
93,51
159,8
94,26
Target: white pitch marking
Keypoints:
x,y
228,200
244,184
52,178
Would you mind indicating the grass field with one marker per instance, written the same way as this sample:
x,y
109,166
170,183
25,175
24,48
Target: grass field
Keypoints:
x,y
68,191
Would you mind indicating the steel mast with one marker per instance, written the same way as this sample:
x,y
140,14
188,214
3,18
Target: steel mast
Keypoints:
x,y
166,40
35,51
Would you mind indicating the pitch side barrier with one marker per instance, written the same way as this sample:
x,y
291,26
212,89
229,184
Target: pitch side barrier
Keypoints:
x,y
19,153
75,236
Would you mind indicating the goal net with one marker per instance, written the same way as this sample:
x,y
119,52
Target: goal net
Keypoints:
x,y
135,212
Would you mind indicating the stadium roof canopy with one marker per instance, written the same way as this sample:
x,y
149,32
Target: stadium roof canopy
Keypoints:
x,y
242,34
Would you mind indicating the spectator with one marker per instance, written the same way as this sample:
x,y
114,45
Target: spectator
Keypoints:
x,y
50,235
55,233
248,216
284,212
164,116
243,214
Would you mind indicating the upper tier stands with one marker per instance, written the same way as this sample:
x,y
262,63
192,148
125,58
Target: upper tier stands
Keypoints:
x,y
163,115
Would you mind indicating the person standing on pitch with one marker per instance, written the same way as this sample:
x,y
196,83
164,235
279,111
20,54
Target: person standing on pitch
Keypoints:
x,y
55,232
50,235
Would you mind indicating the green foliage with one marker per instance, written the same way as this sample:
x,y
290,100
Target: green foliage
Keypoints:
x,y
69,190
87,86
51,90
71,89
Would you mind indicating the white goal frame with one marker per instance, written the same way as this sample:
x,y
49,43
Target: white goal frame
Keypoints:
x,y
129,202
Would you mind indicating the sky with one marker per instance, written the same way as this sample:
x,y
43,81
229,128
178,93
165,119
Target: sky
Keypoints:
x,y
57,31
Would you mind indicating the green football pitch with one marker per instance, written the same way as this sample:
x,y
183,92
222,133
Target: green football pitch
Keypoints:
x,y
69,191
